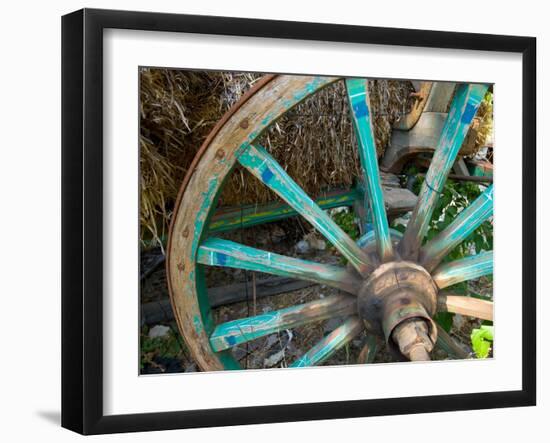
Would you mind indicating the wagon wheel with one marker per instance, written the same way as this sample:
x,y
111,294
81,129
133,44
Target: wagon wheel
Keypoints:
x,y
392,284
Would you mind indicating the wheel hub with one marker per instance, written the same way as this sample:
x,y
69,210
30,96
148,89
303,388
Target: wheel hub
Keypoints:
x,y
397,302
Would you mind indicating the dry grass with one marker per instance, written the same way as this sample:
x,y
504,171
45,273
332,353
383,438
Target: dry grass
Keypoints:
x,y
314,142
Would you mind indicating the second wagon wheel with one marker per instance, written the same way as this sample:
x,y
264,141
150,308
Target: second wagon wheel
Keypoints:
x,y
392,285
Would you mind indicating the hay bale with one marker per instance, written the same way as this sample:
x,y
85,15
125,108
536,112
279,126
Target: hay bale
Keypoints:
x,y
481,128
314,142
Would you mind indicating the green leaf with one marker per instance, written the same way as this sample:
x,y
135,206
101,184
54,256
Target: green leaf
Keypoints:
x,y
482,339
445,320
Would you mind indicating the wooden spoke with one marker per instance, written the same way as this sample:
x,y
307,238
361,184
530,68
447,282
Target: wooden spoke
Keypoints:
x,y
470,306
219,252
240,331
463,225
328,345
465,269
360,112
463,109
369,237
449,345
264,167
369,350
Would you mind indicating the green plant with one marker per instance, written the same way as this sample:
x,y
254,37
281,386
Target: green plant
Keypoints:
x,y
482,340
347,221
167,346
456,197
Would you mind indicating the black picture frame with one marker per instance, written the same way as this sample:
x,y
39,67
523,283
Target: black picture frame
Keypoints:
x,y
82,219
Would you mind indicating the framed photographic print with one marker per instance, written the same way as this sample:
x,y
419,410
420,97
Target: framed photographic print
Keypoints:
x,y
277,221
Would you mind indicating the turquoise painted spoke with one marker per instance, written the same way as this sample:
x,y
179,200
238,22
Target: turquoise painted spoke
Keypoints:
x,y
360,111
465,269
463,225
463,109
219,252
369,237
264,167
330,344
240,331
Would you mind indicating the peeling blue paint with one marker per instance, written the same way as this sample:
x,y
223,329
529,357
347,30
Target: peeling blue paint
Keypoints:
x,y
267,175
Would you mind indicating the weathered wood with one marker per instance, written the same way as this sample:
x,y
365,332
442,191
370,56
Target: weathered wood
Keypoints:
x,y
360,112
369,350
461,227
460,168
264,167
329,344
405,145
480,168
460,304
463,109
258,109
407,121
219,252
449,345
240,331
226,219
440,97
399,200
468,268
159,311
368,238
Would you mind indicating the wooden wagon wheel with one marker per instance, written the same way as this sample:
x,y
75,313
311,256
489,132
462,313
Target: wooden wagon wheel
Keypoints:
x,y
392,284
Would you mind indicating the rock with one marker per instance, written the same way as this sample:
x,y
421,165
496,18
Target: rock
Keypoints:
x,y
317,243
273,359
277,234
458,321
302,247
158,331
271,340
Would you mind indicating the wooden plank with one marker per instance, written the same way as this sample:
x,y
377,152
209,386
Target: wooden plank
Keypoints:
x,y
226,219
460,304
240,331
423,92
358,98
449,345
399,200
468,268
463,109
329,344
461,227
264,167
161,311
480,168
219,252
369,350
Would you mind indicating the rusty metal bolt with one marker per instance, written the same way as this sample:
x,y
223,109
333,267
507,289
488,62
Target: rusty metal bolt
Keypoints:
x,y
244,123
220,154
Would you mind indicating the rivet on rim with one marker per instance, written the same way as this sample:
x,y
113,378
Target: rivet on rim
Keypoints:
x,y
244,123
220,153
